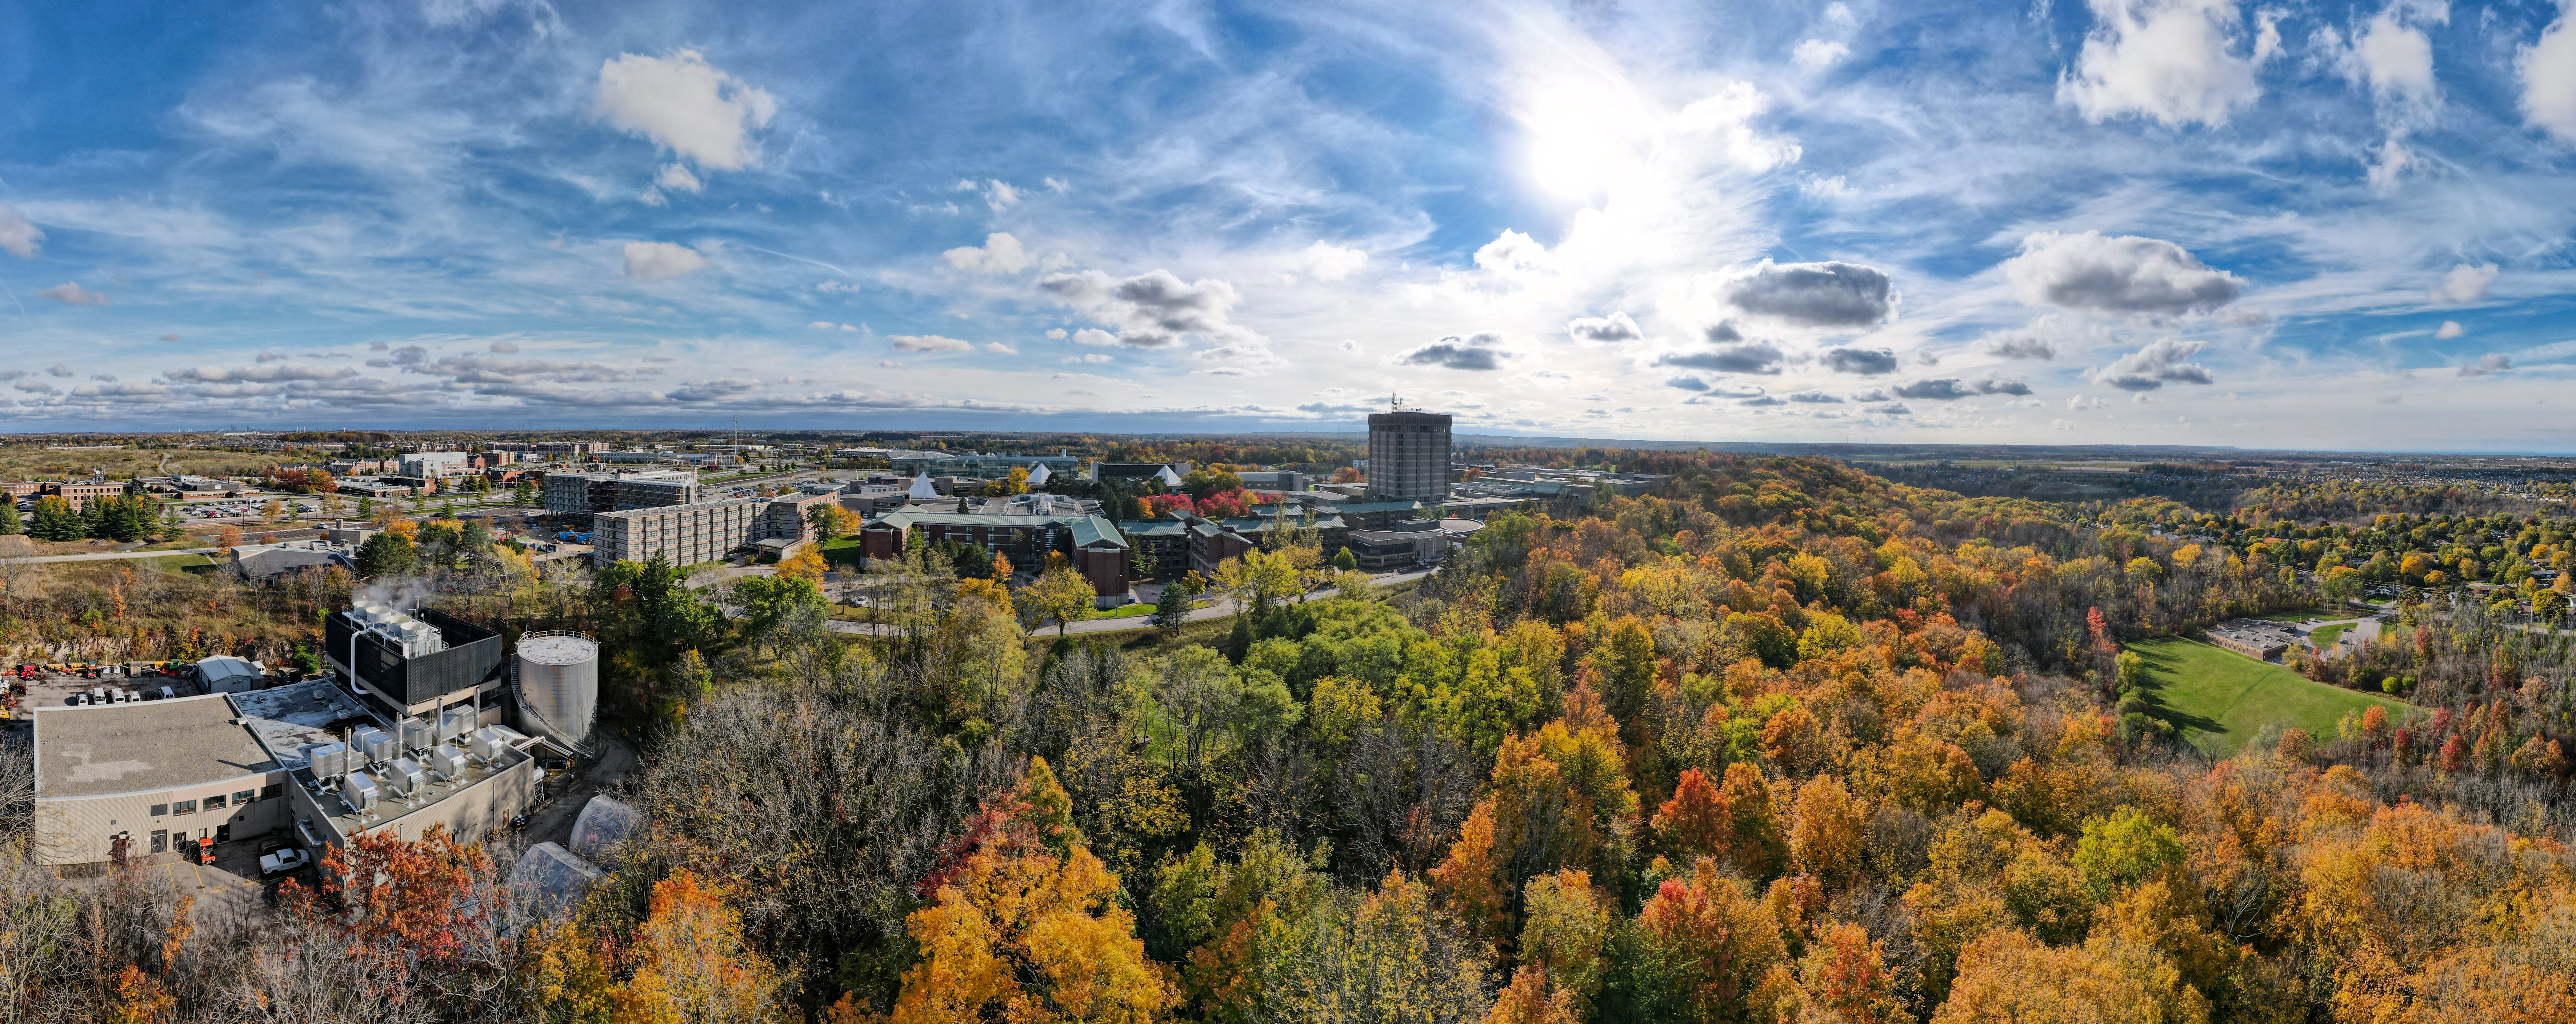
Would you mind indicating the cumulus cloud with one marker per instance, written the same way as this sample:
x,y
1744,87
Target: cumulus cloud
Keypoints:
x,y
716,390
1000,254
998,194
17,237
1818,53
1481,351
1893,409
657,261
1604,330
1755,357
2176,61
1094,336
1090,357
2450,329
269,373
1000,348
683,104
1830,294
71,292
2467,282
2123,275
1868,362
929,343
1948,389
505,346
2154,366
1151,310
676,178
2393,58
1244,355
36,387
59,370
477,370
1512,251
2492,362
1687,383
1325,261
1815,398
2549,79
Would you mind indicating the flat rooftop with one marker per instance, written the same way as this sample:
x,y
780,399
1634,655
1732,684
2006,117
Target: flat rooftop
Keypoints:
x,y
141,747
287,719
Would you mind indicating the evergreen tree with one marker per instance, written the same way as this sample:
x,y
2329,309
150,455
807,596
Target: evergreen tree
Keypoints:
x,y
55,520
385,554
9,522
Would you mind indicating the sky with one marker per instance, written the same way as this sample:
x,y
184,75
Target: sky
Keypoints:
x,y
2336,226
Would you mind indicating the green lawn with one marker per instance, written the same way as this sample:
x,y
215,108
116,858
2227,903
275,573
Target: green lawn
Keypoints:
x,y
1136,610
2304,614
2325,635
2219,699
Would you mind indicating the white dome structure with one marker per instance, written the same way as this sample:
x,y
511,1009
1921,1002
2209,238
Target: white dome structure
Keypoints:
x,y
922,487
1038,474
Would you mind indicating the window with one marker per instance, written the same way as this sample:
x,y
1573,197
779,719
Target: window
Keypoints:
x,y
160,810
271,791
215,802
184,807
245,796
160,841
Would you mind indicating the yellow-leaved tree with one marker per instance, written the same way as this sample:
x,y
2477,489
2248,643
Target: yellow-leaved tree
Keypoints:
x,y
1024,926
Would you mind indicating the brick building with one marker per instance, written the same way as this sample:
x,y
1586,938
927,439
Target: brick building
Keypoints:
x,y
1091,543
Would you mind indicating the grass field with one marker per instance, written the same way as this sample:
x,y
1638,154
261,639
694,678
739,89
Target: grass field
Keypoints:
x,y
2304,614
2219,699
2325,635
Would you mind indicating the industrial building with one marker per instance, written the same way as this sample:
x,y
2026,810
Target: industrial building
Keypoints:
x,y
151,775
408,664
585,495
1408,456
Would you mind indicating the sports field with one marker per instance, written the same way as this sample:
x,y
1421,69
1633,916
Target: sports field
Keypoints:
x,y
2219,699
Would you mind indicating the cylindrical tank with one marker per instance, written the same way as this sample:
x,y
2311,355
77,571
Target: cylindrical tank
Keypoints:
x,y
559,677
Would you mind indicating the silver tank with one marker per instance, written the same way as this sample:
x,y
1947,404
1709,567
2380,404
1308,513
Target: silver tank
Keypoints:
x,y
559,678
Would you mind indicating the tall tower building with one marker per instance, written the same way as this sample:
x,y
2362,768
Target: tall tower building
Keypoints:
x,y
1408,456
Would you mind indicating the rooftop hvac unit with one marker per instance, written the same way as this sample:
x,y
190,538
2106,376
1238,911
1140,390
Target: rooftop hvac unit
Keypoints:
x,y
405,776
418,734
360,793
559,680
456,721
329,760
447,762
374,743
485,744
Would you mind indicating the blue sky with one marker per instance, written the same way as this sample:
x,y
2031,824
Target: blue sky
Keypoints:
x,y
2103,221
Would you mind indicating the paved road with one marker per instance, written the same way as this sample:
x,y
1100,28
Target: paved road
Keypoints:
x,y
104,556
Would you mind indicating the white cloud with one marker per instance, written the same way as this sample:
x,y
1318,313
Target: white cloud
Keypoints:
x,y
655,261
2176,61
1090,357
677,179
1325,261
929,343
1000,348
2154,366
505,346
1151,310
2492,362
1867,362
1754,357
71,292
1511,252
267,374
17,237
836,286
1817,53
2549,79
2395,59
1094,336
1000,254
59,370
2125,275
2450,329
1056,333
1351,347
683,104
1729,115
1604,330
998,194
2467,282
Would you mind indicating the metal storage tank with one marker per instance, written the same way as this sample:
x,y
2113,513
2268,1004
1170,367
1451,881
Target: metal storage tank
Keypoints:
x,y
559,683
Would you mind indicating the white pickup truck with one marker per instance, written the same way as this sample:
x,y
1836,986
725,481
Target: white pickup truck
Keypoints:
x,y
282,861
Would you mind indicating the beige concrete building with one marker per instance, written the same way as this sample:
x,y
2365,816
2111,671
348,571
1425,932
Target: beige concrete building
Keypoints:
x,y
682,534
238,767
155,773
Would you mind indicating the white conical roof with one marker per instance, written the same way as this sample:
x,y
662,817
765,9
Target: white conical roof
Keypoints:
x,y
1038,474
1169,478
922,487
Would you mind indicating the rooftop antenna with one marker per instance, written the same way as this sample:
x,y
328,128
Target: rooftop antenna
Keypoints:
x,y
1395,402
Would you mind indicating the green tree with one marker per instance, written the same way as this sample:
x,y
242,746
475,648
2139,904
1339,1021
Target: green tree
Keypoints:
x,y
648,614
1345,561
768,601
9,521
55,520
523,494
387,553
2124,849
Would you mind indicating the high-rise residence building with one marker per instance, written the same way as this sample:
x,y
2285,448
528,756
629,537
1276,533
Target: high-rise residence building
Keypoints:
x,y
1408,456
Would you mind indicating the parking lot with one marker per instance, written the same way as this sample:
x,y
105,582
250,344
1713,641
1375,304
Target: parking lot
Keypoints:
x,y
54,689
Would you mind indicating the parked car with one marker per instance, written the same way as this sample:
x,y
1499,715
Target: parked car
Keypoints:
x,y
283,860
